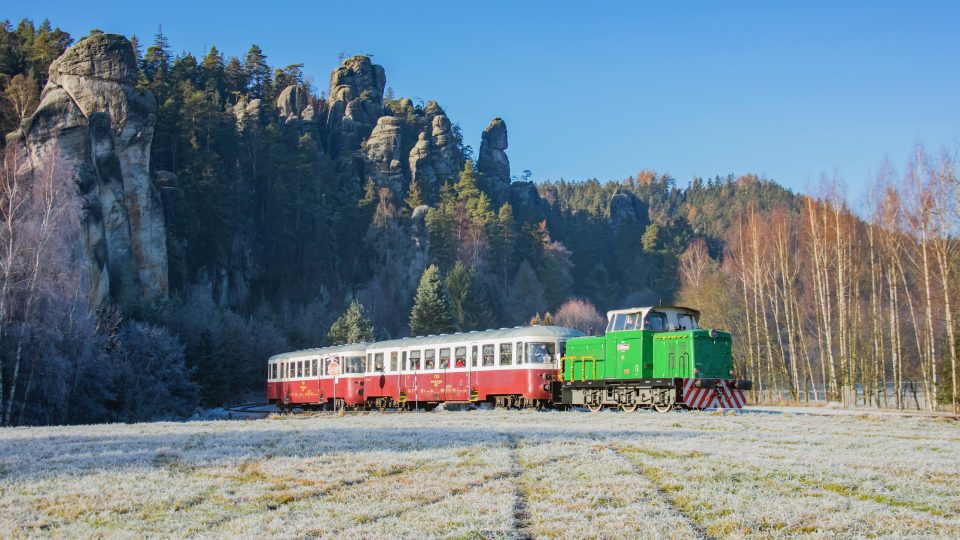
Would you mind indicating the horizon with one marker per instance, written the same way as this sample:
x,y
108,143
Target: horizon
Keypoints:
x,y
833,92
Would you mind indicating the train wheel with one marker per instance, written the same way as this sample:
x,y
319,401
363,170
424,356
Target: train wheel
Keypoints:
x,y
664,408
625,407
594,407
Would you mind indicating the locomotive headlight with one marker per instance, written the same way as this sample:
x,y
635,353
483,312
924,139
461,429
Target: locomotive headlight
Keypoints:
x,y
713,333
732,374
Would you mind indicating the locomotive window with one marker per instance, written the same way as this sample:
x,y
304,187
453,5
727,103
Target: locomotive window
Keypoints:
x,y
314,367
617,322
378,362
414,360
460,357
429,359
540,353
630,322
474,356
488,355
519,353
444,358
506,354
686,321
656,321
393,361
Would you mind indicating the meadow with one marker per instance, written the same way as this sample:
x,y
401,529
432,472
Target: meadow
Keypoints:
x,y
488,474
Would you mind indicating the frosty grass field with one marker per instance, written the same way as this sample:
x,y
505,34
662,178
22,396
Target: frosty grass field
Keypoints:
x,y
483,474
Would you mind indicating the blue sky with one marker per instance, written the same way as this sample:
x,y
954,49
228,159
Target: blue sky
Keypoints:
x,y
788,90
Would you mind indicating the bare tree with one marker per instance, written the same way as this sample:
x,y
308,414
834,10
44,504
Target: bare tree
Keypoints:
x,y
23,94
580,315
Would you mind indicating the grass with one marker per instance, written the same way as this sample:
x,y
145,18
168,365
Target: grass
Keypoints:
x,y
487,474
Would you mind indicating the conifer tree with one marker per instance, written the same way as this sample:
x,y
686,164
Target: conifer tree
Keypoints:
x,y
414,195
353,326
432,312
467,298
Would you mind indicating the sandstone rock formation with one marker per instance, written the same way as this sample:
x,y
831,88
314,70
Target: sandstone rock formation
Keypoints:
x,y
91,114
291,103
447,160
382,154
355,103
492,162
421,164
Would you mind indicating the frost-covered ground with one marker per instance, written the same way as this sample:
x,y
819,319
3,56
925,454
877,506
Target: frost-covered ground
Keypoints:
x,y
484,474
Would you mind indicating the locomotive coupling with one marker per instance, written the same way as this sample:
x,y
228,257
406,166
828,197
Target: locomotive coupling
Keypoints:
x,y
705,383
743,385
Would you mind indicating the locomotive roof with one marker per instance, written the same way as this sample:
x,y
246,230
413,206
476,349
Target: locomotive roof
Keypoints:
x,y
647,309
466,337
323,350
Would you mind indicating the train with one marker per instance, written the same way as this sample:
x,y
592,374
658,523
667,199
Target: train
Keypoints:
x,y
649,357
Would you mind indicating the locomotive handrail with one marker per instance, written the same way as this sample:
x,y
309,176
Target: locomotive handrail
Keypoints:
x,y
583,366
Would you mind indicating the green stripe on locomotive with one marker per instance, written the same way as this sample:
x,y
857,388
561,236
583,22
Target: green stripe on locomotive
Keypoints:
x,y
644,354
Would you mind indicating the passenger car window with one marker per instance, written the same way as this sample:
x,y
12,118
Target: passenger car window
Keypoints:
x,y
540,353
444,358
519,350
474,355
488,359
429,359
414,360
506,354
378,362
460,357
393,361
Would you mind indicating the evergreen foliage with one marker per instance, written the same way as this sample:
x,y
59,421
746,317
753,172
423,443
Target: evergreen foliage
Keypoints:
x,y
353,326
432,311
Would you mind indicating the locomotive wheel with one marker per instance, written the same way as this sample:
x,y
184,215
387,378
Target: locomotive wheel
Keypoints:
x,y
664,408
594,407
628,407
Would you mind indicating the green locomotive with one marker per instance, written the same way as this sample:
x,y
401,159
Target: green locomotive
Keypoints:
x,y
650,357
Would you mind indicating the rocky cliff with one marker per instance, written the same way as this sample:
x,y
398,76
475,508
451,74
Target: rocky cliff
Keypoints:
x,y
492,163
91,115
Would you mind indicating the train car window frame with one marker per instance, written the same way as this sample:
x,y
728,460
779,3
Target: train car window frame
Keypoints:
x,y
474,355
430,358
415,356
661,317
519,353
354,364
686,321
315,371
378,362
460,357
535,352
506,354
489,355
274,371
403,360
444,356
299,369
393,360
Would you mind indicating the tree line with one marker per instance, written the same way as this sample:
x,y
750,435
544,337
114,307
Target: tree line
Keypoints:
x,y
830,306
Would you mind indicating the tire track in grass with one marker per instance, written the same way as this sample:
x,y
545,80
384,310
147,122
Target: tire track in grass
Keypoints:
x,y
656,480
418,505
521,516
313,494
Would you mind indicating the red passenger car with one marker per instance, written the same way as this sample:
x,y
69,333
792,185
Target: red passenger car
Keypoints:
x,y
506,367
304,378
